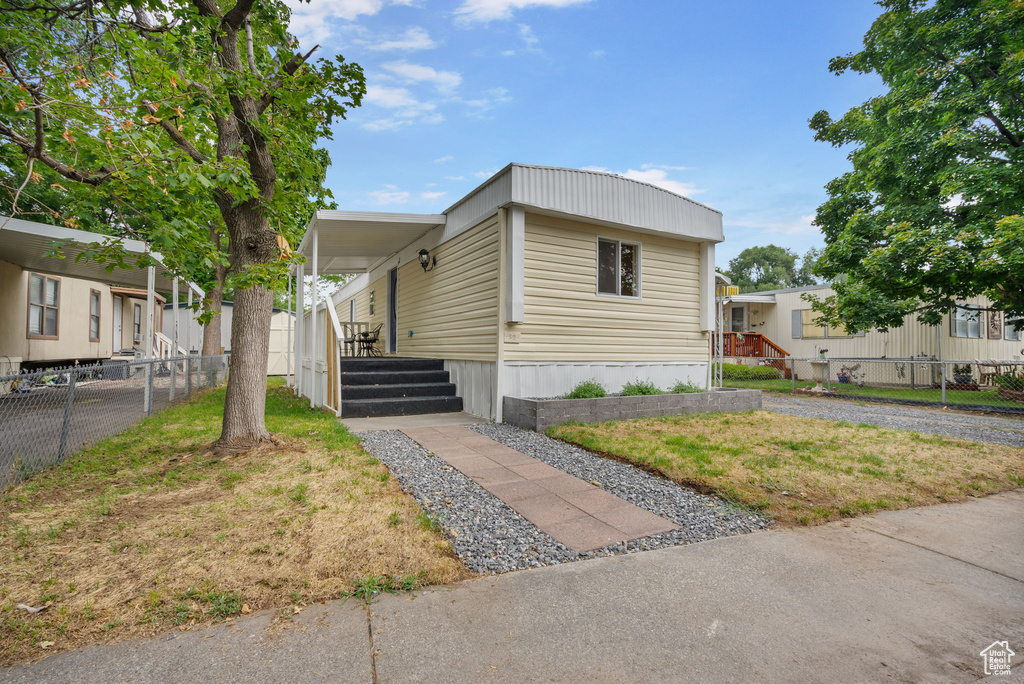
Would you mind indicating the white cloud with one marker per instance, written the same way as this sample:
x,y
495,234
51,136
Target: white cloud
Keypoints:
x,y
445,158
802,225
659,178
432,195
489,10
455,178
529,38
408,109
491,99
598,54
312,22
444,81
656,175
487,173
415,38
390,195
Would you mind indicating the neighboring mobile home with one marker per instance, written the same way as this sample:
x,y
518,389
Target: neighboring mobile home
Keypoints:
x,y
786,319
57,311
190,333
536,280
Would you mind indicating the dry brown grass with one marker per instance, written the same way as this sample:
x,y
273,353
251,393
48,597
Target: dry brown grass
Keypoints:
x,y
805,470
147,530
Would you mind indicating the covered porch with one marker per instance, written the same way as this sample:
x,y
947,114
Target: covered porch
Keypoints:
x,y
346,243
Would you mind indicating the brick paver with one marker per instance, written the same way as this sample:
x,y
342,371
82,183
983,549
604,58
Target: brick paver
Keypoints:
x,y
574,512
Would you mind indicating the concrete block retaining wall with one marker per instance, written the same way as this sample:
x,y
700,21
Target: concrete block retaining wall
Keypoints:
x,y
540,414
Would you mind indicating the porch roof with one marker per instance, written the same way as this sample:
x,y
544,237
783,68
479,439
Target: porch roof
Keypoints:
x,y
353,241
750,299
24,243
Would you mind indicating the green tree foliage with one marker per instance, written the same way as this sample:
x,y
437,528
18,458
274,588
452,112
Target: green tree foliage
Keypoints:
x,y
757,269
195,125
930,213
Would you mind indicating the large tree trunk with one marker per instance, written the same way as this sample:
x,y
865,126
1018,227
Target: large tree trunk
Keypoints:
x,y
212,344
252,242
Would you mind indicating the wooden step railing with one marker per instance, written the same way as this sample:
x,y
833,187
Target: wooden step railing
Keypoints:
x,y
751,345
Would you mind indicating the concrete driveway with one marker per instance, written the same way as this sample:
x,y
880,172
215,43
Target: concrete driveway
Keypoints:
x,y
907,596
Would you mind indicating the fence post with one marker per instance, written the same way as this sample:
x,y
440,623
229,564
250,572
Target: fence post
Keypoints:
x,y
188,376
65,428
147,397
942,371
792,372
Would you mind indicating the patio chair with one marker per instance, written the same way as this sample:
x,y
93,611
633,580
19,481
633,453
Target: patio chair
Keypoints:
x,y
350,339
368,342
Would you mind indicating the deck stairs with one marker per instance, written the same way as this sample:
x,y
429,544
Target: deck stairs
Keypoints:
x,y
756,345
395,386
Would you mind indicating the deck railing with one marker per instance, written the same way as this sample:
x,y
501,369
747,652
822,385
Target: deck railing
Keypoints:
x,y
752,345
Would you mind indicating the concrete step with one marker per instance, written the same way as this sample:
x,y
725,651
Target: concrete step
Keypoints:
x,y
426,389
401,406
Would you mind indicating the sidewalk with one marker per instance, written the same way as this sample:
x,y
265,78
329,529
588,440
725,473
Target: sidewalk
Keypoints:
x,y
901,596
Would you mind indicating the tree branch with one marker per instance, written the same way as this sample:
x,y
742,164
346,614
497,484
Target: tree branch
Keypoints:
x,y
249,52
290,67
175,135
63,169
237,15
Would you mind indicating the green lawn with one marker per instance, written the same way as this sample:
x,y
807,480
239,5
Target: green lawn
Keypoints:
x,y
983,398
150,530
804,470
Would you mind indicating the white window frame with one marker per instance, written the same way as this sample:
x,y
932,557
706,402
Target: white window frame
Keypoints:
x,y
618,268
826,330
1009,333
956,316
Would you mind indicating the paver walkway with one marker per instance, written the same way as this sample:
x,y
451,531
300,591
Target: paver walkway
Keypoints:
x,y
573,512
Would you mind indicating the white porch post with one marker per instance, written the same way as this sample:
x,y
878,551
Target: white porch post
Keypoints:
x,y
191,317
174,338
312,332
300,330
288,346
147,346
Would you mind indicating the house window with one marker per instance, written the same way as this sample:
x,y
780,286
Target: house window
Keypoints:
x,y
94,315
618,268
137,324
806,325
373,300
965,321
43,306
1010,332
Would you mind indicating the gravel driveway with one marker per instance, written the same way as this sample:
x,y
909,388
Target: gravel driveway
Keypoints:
x,y
490,537
974,427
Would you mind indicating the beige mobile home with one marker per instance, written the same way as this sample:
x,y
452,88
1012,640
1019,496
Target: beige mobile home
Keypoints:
x,y
785,319
538,279
57,311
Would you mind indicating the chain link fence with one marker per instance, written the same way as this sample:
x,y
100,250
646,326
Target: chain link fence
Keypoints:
x,y
47,415
970,385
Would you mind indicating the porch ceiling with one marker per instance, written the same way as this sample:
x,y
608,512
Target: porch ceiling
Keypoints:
x,y
352,241
24,243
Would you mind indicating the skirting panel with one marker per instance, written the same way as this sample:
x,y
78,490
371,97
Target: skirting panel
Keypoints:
x,y
476,382
556,378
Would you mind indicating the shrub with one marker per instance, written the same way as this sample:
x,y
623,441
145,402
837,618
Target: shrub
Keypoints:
x,y
639,388
737,371
686,388
588,389
1009,381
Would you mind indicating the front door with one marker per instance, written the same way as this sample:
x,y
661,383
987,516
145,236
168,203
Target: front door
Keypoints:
x,y
392,311
116,346
738,319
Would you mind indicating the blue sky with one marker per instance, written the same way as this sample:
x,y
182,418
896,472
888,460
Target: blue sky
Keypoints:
x,y
708,99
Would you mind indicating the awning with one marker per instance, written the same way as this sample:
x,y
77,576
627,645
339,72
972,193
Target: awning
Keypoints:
x,y
24,243
750,299
353,241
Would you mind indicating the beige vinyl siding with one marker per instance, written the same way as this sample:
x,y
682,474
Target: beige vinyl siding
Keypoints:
x,y
912,339
362,298
566,320
452,310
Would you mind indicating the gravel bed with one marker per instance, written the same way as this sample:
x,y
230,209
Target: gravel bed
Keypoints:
x,y
490,537
969,426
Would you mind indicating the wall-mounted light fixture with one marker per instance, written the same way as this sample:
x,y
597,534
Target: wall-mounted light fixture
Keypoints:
x,y
426,261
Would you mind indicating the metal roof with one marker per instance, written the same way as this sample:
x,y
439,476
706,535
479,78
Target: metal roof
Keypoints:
x,y
595,195
352,241
24,243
